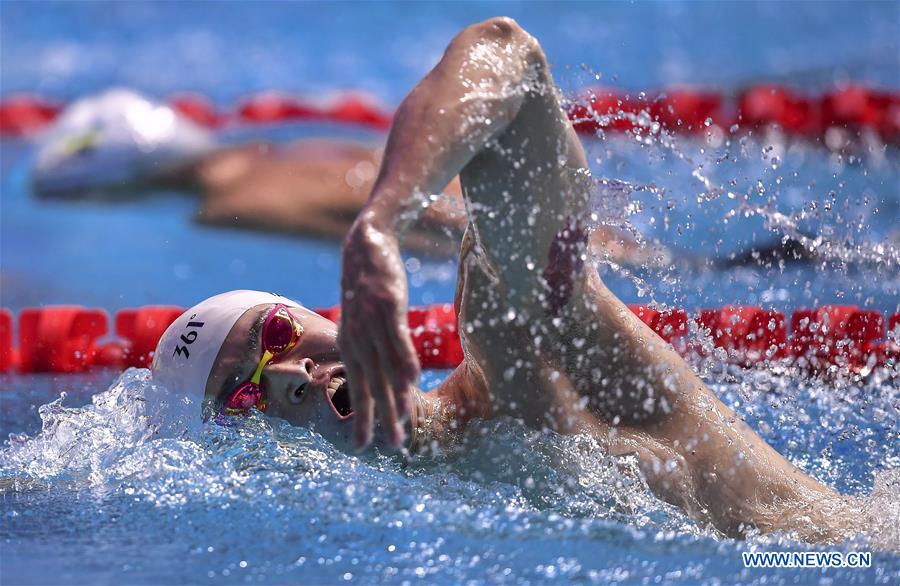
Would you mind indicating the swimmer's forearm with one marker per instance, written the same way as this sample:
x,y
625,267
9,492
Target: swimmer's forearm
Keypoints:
x,y
474,92
470,96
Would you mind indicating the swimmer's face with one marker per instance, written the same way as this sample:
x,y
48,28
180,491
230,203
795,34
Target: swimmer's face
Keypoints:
x,y
304,386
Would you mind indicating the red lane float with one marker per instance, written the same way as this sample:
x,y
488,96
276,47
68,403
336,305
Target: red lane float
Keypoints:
x,y
605,108
844,335
857,107
768,105
272,107
59,339
890,350
435,336
355,109
64,339
7,358
669,325
686,110
348,109
677,109
198,109
24,115
749,334
142,328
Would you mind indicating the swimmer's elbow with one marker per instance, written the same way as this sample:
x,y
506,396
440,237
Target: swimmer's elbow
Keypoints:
x,y
502,27
506,31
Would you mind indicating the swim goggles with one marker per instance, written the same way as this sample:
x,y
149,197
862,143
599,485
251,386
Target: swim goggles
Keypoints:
x,y
280,333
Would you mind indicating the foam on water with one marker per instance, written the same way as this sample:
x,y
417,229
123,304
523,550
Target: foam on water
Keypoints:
x,y
714,192
133,485
510,502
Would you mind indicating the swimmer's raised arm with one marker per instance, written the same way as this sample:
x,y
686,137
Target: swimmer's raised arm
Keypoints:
x,y
545,340
470,96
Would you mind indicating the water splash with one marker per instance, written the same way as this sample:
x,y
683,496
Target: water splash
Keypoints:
x,y
80,444
758,175
510,502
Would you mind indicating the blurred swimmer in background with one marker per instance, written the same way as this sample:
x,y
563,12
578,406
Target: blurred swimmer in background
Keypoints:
x,y
545,341
120,144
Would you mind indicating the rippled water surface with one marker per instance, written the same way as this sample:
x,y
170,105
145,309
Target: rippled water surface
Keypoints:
x,y
98,496
115,483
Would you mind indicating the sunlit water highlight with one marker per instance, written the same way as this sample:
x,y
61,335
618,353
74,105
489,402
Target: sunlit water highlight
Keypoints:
x,y
264,501
124,489
136,480
133,485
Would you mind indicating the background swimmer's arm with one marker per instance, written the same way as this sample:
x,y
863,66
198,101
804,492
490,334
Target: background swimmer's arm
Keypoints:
x,y
315,187
468,98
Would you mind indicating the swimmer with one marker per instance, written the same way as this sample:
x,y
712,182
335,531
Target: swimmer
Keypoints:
x,y
545,341
120,144
114,142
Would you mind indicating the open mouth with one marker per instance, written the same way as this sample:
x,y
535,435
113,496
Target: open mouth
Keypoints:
x,y
338,395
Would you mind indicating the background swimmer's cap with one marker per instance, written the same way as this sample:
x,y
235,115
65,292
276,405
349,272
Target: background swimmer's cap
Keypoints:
x,y
112,139
187,350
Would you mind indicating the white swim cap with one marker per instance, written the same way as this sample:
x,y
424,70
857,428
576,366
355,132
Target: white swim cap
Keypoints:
x,y
186,352
111,139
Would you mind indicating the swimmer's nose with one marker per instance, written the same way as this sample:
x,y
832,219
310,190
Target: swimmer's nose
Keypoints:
x,y
307,366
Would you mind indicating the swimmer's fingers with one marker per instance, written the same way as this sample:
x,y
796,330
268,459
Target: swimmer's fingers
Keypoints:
x,y
373,283
383,395
361,400
397,350
359,340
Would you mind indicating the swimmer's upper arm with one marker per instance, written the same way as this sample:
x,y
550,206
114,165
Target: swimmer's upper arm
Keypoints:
x,y
466,100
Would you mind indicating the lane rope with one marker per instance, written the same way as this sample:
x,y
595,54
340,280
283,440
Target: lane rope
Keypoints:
x,y
678,110
72,339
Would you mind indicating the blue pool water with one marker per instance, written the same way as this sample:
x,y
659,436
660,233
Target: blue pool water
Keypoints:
x,y
96,501
88,498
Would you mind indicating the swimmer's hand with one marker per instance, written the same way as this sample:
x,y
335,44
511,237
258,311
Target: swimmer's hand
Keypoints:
x,y
374,338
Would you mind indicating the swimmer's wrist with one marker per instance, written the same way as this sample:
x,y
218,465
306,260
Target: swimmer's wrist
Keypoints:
x,y
393,209
378,221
